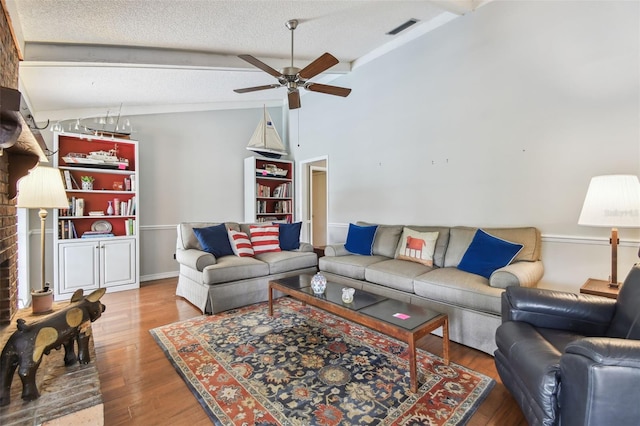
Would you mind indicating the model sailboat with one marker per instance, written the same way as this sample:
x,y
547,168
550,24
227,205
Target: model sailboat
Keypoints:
x,y
265,140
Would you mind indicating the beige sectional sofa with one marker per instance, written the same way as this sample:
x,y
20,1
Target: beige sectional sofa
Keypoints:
x,y
472,302
218,284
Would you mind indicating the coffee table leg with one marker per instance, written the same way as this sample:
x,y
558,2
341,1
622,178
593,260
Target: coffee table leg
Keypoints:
x,y
270,301
445,341
413,370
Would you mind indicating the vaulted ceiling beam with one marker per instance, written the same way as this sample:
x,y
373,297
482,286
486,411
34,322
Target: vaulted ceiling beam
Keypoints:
x,y
36,53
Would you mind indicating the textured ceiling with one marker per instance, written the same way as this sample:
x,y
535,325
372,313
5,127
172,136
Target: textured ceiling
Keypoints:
x,y
82,57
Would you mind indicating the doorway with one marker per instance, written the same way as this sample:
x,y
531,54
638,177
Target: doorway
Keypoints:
x,y
314,197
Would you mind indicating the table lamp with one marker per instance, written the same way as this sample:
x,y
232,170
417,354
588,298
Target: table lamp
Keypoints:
x,y
42,189
612,201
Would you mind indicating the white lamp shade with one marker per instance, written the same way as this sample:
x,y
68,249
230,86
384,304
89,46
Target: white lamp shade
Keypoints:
x,y
612,201
42,188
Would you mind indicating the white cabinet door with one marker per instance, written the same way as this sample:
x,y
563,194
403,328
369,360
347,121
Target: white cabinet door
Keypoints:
x,y
78,266
117,262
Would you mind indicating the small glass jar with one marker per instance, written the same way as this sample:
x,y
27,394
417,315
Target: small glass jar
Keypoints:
x,y
347,294
318,283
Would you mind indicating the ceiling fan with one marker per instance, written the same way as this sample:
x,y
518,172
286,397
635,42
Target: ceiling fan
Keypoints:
x,y
295,78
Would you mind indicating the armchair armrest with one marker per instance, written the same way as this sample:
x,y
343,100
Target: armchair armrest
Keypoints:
x,y
607,351
336,250
306,247
579,313
195,259
522,274
600,379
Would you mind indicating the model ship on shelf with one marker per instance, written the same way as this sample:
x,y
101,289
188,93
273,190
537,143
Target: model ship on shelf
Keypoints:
x,y
271,170
100,159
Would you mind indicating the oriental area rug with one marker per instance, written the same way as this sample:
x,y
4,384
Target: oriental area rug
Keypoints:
x,y
305,366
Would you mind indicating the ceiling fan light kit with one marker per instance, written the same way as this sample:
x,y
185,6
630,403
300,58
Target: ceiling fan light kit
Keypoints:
x,y
294,78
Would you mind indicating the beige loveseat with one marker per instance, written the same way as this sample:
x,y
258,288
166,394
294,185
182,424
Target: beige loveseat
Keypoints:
x,y
218,284
472,302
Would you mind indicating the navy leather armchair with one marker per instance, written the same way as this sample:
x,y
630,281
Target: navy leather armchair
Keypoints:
x,y
572,359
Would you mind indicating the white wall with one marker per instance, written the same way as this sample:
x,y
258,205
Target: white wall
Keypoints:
x,y
499,118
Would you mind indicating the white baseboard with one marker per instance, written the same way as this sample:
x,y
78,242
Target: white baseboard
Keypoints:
x,y
160,276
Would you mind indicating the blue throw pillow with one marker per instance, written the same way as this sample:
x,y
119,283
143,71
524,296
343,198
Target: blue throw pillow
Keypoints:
x,y
290,235
214,240
360,239
487,253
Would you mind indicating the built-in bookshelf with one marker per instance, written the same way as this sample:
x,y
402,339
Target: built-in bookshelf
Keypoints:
x,y
268,190
96,243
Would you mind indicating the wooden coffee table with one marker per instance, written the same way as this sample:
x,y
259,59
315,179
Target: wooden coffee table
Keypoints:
x,y
404,321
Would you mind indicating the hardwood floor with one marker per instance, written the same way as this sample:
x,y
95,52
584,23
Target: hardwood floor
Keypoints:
x,y
139,385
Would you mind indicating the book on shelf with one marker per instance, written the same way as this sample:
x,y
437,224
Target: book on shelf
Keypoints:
x,y
79,207
283,190
67,230
92,234
130,226
67,179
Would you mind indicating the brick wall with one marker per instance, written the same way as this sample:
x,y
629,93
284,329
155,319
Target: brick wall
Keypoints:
x,y
8,220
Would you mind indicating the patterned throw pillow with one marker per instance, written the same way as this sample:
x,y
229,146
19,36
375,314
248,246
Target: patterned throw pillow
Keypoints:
x,y
265,239
241,244
416,246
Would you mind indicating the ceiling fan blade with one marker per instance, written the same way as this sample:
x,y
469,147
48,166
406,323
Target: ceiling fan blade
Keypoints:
x,y
256,88
329,90
321,64
259,64
294,99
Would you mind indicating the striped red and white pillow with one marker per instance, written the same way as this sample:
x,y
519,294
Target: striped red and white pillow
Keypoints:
x,y
241,244
265,239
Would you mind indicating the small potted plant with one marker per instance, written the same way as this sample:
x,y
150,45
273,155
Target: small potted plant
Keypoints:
x,y
87,182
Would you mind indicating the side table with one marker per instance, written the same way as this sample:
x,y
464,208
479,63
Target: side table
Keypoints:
x,y
599,288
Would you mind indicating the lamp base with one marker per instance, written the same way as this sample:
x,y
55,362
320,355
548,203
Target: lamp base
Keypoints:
x,y
614,285
41,302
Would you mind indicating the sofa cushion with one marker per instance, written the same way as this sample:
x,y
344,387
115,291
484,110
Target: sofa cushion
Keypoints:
x,y
351,265
214,240
360,239
265,238
459,288
284,261
415,246
395,273
289,235
234,268
240,243
386,239
487,253
459,242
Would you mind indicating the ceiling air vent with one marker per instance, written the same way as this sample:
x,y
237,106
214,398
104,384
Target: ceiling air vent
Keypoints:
x,y
403,27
